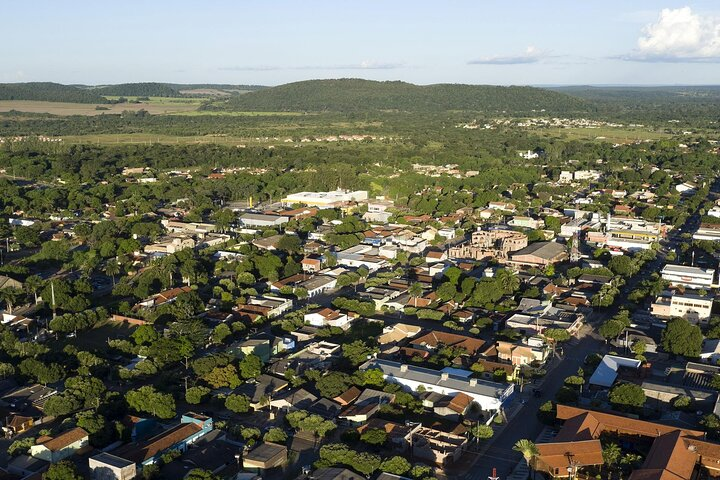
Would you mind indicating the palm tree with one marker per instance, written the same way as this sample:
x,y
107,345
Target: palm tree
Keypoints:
x,y
529,451
10,296
112,268
33,284
508,280
415,291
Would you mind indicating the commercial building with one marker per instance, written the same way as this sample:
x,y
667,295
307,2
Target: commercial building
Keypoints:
x,y
539,254
694,308
327,199
262,220
490,244
691,277
489,395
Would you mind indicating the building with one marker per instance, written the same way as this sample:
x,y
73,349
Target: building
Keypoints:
x,y
327,317
490,244
7,282
262,220
674,453
167,296
694,308
314,284
265,457
489,395
333,199
607,370
438,447
377,211
54,449
435,340
691,277
707,231
539,254
631,234
534,350
192,427
106,466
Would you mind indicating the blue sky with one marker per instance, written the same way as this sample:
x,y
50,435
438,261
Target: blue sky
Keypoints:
x,y
273,42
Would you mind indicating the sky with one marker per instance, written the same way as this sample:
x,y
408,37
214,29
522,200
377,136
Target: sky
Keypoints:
x,y
268,42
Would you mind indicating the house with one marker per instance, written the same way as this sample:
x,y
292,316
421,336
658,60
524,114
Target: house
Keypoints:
x,y
694,308
398,435
28,397
335,473
348,396
314,284
453,407
366,404
105,466
691,277
7,282
191,428
60,447
265,456
539,254
533,351
262,220
16,424
438,447
434,256
262,390
332,199
299,399
327,317
311,263
489,395
435,340
168,296
397,332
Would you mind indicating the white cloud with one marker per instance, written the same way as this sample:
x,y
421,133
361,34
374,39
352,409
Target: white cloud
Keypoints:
x,y
679,35
530,55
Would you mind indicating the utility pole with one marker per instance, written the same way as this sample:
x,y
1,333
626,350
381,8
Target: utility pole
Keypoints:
x,y
52,291
494,475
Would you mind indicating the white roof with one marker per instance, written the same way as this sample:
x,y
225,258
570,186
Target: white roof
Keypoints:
x,y
606,373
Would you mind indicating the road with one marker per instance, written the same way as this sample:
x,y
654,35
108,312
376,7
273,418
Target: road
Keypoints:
x,y
525,423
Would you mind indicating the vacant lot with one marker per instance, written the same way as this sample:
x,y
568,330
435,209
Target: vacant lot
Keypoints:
x,y
155,107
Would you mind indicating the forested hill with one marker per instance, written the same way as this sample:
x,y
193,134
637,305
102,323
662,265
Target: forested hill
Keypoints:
x,y
148,89
48,92
353,95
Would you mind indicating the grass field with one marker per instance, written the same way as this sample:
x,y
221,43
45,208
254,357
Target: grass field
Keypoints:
x,y
605,134
59,108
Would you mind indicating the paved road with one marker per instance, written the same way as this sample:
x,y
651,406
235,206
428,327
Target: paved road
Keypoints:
x,y
525,423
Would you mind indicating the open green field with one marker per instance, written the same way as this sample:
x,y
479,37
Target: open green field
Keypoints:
x,y
60,108
604,134
242,114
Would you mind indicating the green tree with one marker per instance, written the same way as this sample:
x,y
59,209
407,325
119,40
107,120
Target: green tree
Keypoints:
x,y
508,280
680,337
250,366
10,296
611,454
529,452
147,399
396,465
627,396
200,474
196,395
481,432
374,436
237,403
275,435
63,470
415,291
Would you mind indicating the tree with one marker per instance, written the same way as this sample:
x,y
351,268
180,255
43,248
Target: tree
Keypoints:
x,y
275,435
333,384
415,291
529,452
10,296
250,366
508,280
112,268
446,291
366,463
374,436
611,454
481,432
33,284
237,403
196,395
63,470
147,399
200,474
627,396
220,333
145,335
357,352
225,376
396,465
682,338
289,243
622,265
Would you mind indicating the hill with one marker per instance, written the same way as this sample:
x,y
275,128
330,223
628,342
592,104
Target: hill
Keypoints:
x,y
48,92
354,95
661,95
148,89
